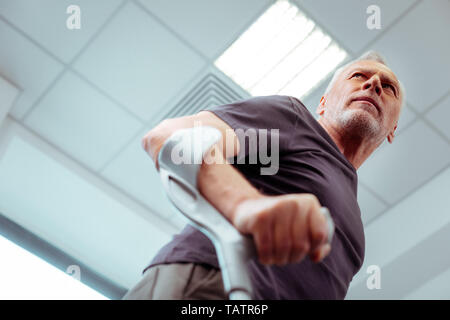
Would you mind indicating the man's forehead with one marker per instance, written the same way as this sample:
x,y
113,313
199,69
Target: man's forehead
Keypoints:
x,y
373,66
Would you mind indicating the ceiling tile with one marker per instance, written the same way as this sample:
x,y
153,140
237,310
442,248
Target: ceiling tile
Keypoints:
x,y
139,62
347,19
312,100
82,122
209,87
421,215
418,53
436,289
45,22
26,66
210,26
369,204
406,117
8,94
134,172
179,221
440,116
411,160
422,261
59,206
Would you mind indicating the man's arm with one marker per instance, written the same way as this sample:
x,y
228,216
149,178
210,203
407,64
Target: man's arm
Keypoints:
x,y
285,228
222,185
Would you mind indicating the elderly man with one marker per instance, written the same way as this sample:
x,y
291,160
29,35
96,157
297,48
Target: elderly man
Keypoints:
x,y
318,160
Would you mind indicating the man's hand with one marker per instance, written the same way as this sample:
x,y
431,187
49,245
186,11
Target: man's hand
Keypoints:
x,y
285,228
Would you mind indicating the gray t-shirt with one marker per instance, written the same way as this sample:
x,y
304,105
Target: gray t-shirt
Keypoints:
x,y
309,162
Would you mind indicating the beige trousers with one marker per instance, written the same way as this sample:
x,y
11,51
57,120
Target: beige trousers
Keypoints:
x,y
178,281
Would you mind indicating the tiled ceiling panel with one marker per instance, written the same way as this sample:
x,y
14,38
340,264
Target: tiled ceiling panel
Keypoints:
x,y
134,172
45,22
436,289
209,25
406,118
8,94
139,62
440,116
75,216
400,167
421,262
347,19
419,49
82,122
405,225
210,91
369,204
313,99
26,66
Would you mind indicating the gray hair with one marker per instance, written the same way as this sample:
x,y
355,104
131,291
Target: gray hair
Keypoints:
x,y
369,55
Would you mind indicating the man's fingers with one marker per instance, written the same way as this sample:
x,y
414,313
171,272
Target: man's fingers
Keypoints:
x,y
300,244
283,236
318,228
263,237
320,253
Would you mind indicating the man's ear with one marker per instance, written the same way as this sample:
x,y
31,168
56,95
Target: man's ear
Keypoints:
x,y
321,107
391,135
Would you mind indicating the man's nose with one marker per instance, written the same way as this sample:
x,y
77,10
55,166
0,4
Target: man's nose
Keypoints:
x,y
373,83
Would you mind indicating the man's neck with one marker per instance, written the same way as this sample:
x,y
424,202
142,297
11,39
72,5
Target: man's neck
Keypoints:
x,y
355,148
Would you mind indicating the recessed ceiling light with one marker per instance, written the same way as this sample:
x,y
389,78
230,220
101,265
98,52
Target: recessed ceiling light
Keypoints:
x,y
283,52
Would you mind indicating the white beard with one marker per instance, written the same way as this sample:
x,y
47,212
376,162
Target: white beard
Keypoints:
x,y
359,122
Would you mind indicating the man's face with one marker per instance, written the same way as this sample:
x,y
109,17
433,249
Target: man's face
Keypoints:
x,y
365,100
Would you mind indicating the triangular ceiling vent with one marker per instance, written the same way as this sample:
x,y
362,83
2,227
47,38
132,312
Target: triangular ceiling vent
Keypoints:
x,y
210,91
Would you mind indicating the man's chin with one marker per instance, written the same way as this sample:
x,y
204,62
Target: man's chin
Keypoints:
x,y
359,122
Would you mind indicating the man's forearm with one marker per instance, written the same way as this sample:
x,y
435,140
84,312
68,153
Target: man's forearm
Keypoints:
x,y
224,186
218,181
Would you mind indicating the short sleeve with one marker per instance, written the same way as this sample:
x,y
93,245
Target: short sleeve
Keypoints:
x,y
260,123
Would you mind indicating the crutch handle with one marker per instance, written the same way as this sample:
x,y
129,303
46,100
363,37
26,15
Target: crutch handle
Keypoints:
x,y
233,249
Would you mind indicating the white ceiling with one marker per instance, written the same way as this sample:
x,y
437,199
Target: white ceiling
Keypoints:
x,y
72,169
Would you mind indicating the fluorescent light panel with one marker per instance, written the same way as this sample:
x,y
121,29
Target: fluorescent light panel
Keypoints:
x,y
283,52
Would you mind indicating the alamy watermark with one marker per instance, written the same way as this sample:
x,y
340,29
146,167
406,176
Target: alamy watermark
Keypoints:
x,y
374,20
256,146
74,20
74,271
374,280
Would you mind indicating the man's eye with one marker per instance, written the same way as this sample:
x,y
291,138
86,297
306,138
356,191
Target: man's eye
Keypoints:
x,y
390,86
357,75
